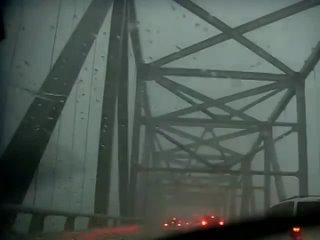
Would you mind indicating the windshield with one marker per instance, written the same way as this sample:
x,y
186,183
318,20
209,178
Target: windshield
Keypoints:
x,y
121,114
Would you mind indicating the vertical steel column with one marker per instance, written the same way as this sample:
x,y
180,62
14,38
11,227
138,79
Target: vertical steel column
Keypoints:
x,y
233,200
253,203
135,143
123,156
113,76
302,139
276,167
246,187
135,147
267,167
148,151
144,177
247,178
227,200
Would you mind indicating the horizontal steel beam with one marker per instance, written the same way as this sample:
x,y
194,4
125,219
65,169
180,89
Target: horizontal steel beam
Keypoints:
x,y
239,124
196,187
211,73
190,186
215,171
197,179
240,186
188,198
178,163
187,156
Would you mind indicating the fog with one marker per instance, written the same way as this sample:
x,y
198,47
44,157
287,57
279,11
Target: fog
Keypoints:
x,y
37,31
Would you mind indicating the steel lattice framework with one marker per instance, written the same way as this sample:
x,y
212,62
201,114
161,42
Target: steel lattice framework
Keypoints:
x,y
29,143
155,159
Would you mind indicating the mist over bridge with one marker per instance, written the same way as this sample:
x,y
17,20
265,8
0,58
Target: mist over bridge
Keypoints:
x,y
105,100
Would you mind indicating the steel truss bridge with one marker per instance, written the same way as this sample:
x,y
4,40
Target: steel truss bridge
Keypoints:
x,y
140,171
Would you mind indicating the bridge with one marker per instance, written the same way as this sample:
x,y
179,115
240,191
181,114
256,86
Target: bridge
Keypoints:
x,y
116,112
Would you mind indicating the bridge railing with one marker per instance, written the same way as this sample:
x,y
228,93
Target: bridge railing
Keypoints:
x,y
39,215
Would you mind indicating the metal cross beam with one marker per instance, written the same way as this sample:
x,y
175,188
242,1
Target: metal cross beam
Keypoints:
x,y
226,99
215,171
242,29
217,123
198,11
211,73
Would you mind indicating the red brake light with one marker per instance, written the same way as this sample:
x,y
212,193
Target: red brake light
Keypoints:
x,y
221,223
296,229
203,223
212,216
166,224
179,224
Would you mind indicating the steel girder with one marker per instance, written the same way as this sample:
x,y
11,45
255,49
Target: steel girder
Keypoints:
x,y
115,96
182,154
123,115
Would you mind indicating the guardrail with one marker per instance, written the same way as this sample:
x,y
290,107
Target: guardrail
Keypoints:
x,y
39,215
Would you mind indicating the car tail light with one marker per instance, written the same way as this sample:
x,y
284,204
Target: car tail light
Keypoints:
x,y
221,223
212,216
166,224
204,223
296,233
296,229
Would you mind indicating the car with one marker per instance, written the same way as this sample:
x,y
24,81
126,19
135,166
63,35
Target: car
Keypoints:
x,y
173,224
296,206
209,221
254,228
